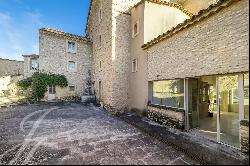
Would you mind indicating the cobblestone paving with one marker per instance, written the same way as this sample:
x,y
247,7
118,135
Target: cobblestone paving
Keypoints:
x,y
77,134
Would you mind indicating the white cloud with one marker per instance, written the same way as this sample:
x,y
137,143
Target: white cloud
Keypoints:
x,y
19,36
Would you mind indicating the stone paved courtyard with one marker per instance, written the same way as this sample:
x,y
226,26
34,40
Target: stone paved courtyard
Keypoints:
x,y
72,133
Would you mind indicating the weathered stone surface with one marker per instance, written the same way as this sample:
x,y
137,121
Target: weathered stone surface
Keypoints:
x,y
71,133
113,53
244,132
10,67
54,58
167,116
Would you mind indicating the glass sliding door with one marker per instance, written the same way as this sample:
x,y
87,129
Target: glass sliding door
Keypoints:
x,y
246,96
193,96
229,110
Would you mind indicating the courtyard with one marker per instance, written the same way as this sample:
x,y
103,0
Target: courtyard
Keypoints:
x,y
73,133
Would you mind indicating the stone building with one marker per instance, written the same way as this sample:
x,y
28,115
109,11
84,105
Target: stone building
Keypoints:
x,y
10,67
10,72
62,53
184,62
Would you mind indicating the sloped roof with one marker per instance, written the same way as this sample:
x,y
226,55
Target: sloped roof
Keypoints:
x,y
32,55
212,9
63,34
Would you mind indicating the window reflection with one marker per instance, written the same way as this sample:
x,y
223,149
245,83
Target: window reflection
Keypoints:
x,y
169,93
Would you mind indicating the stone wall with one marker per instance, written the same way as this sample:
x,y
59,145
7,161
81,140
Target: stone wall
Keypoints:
x,y
102,68
244,132
10,67
8,85
27,68
54,57
170,117
215,45
114,52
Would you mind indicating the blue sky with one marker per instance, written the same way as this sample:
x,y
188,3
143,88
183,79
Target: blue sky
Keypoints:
x,y
20,21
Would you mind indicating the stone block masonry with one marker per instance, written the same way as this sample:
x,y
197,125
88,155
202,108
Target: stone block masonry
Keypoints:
x,y
54,57
215,45
167,116
10,67
244,132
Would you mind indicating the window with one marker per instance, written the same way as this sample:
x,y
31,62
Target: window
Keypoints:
x,y
52,89
134,65
135,29
33,64
71,47
169,93
246,96
71,66
72,88
100,40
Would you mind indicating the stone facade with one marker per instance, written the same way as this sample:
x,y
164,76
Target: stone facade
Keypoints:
x,y
244,132
167,116
28,71
114,52
54,57
10,67
8,85
216,45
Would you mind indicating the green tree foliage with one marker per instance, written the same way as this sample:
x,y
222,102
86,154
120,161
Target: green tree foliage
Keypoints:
x,y
39,83
25,84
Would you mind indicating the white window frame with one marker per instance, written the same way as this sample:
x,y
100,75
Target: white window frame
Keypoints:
x,y
75,70
134,68
133,29
53,88
67,46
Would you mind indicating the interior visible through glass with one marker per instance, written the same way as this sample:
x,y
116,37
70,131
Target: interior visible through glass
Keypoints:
x,y
169,93
229,110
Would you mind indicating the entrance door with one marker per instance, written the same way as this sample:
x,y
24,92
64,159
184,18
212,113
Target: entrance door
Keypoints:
x,y
229,110
193,112
51,93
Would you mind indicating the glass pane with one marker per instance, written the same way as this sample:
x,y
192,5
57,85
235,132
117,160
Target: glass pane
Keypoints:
x,y
169,93
193,103
229,110
246,96
207,107
71,65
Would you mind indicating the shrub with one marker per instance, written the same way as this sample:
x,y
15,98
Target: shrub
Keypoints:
x,y
39,83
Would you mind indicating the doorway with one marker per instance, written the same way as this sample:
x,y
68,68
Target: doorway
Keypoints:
x,y
202,106
51,92
216,120
229,110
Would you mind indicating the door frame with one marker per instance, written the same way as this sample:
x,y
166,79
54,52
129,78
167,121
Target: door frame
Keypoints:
x,y
241,104
51,96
